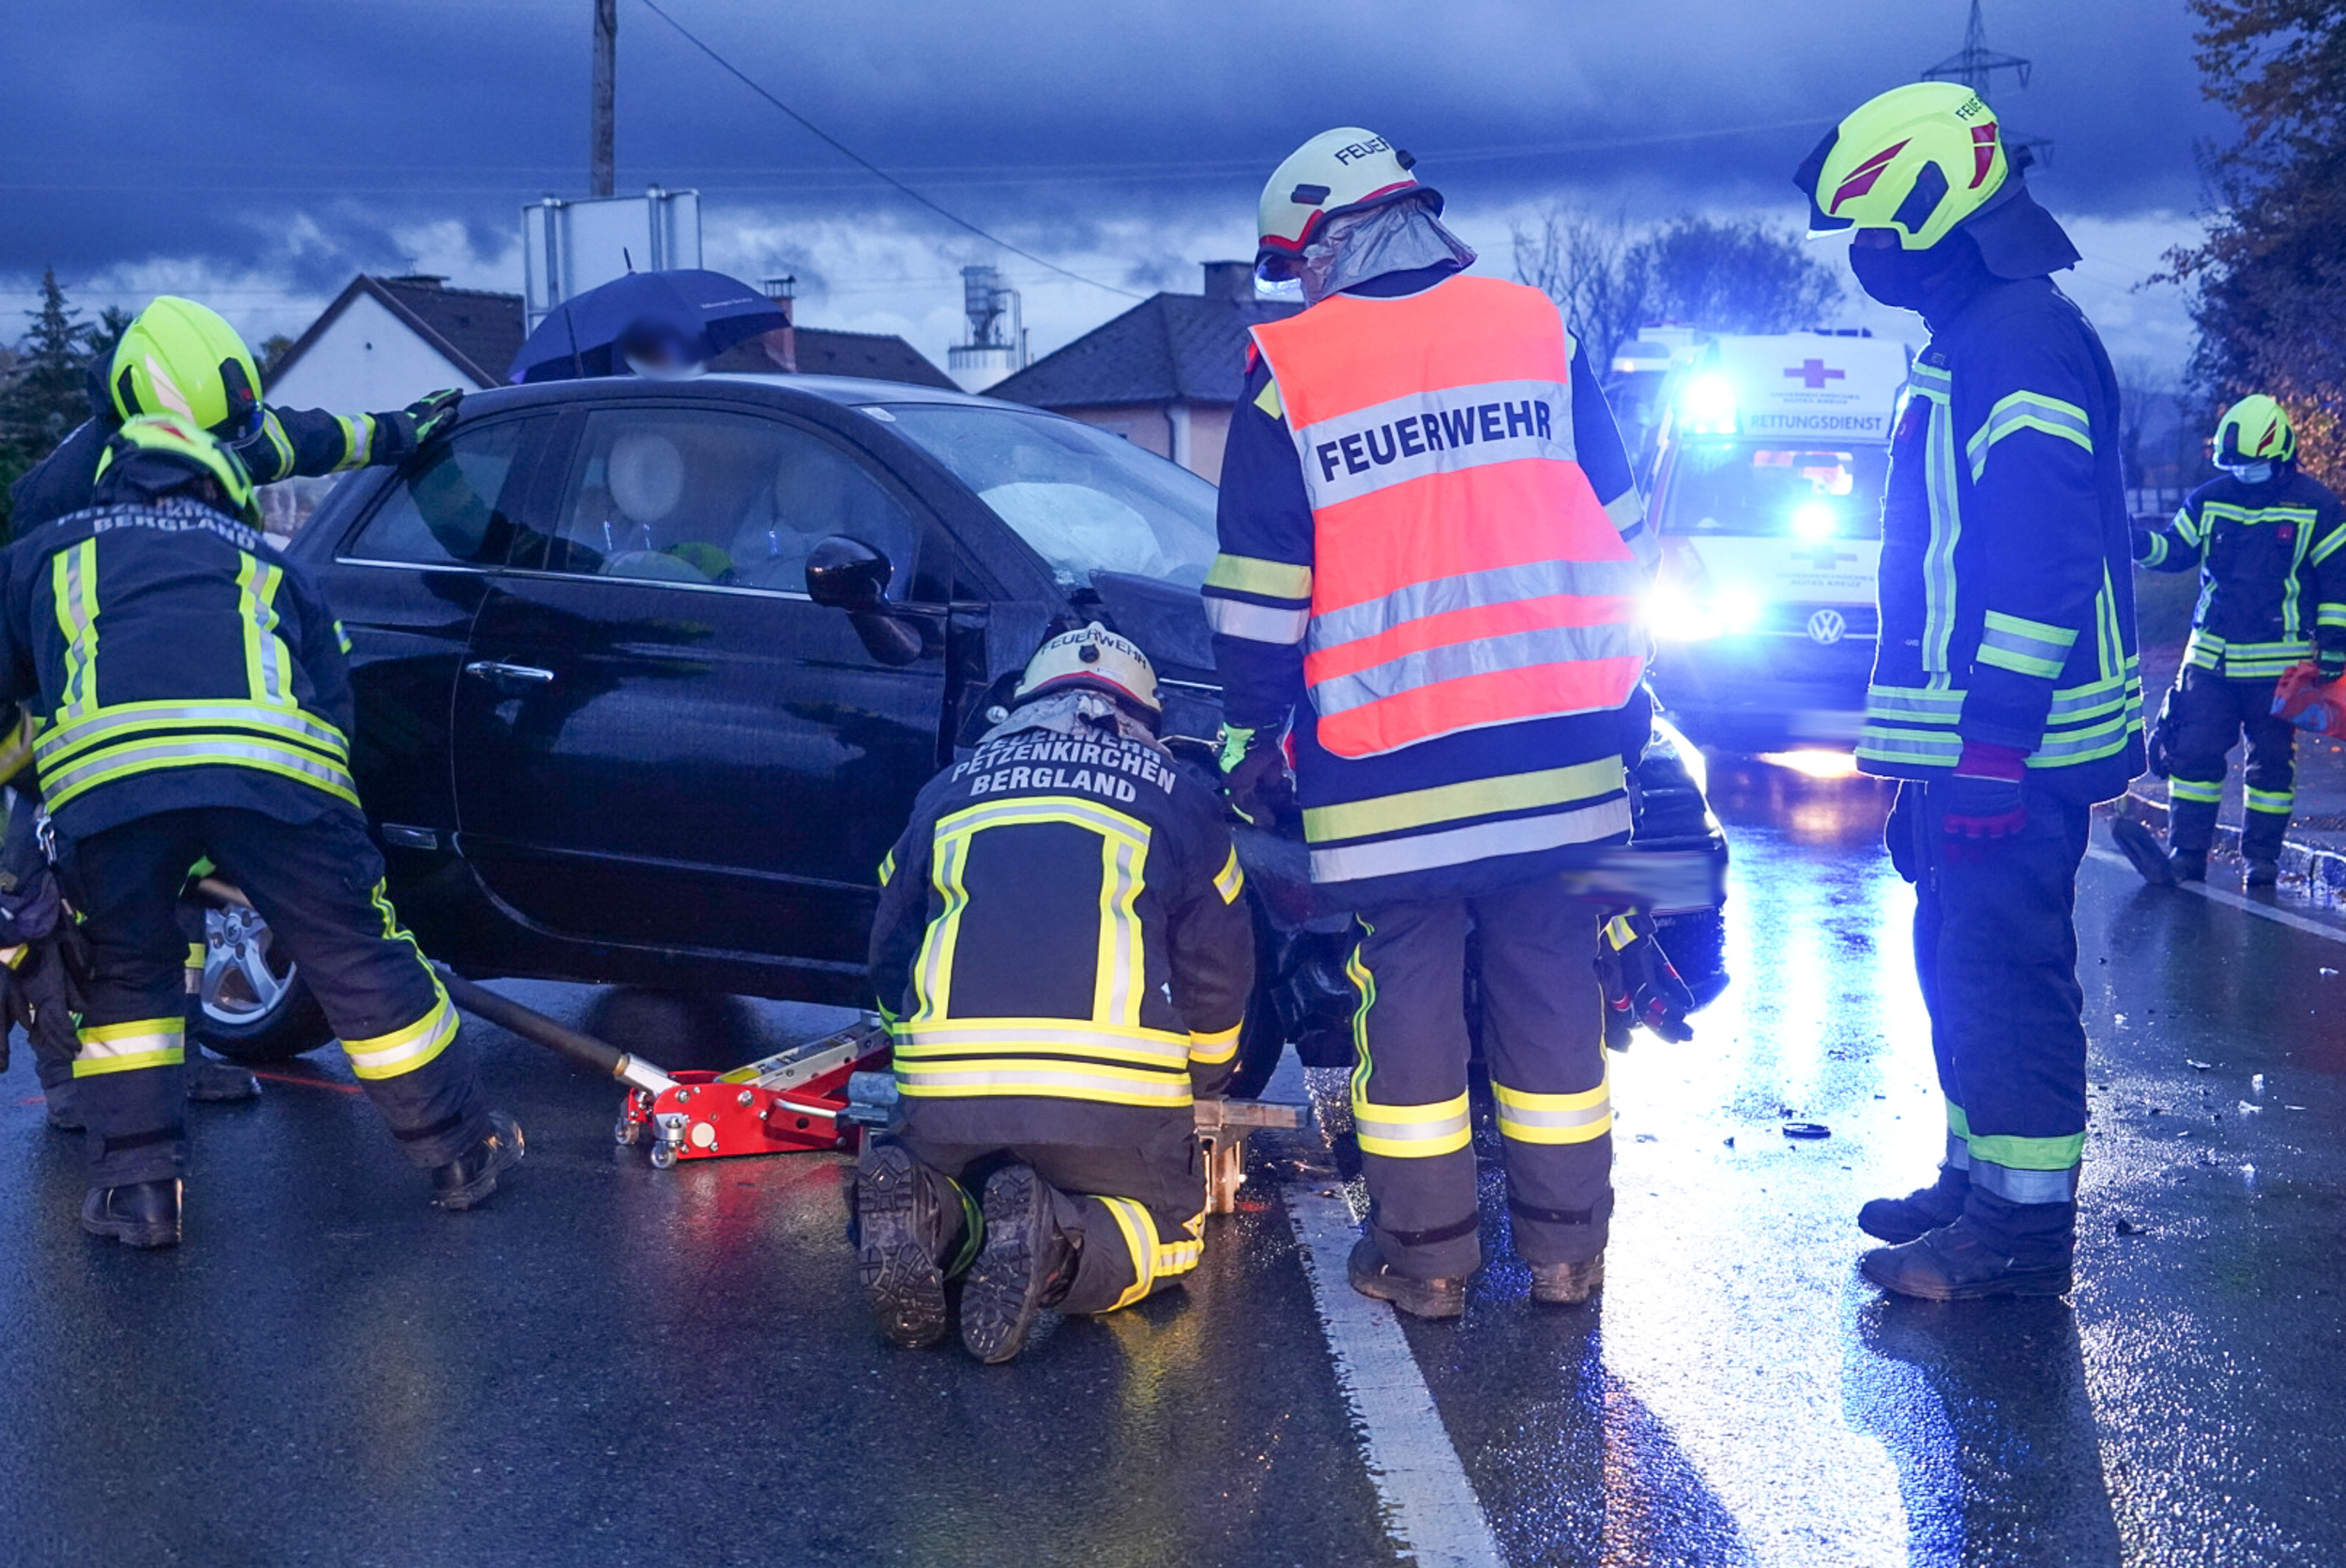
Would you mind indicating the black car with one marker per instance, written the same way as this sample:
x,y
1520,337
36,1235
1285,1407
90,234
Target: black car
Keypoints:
x,y
649,673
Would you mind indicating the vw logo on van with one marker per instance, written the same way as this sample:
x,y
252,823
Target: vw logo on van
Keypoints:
x,y
1826,627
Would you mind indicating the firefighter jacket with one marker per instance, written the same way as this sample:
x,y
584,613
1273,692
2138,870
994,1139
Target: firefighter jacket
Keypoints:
x,y
2272,583
171,660
2006,586
1432,555
1061,945
290,441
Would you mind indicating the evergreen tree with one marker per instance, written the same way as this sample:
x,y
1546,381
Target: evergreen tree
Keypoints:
x,y
45,393
2270,283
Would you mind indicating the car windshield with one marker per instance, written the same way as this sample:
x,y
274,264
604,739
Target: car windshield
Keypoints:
x,y
1771,490
1086,500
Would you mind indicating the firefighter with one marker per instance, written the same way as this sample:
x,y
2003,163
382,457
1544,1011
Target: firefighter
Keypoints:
x,y
1064,958
180,357
2265,539
177,356
1431,559
2005,691
191,701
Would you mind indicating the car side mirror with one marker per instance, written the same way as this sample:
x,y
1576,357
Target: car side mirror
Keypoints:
x,y
844,574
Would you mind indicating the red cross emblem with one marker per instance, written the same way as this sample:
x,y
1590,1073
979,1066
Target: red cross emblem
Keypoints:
x,y
1813,374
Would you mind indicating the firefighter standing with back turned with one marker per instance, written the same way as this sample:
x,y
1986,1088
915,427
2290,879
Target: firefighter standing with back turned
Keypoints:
x,y
2265,541
2005,691
1431,561
180,358
191,701
1064,956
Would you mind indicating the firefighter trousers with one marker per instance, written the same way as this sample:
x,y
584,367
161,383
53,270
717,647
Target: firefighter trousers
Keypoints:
x,y
319,885
1996,955
1544,1039
2210,712
1137,1210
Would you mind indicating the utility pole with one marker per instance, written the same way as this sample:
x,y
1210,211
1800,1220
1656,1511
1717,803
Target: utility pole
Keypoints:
x,y
606,50
1975,66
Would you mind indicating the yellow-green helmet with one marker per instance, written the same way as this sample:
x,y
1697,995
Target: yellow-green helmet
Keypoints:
x,y
1917,159
154,455
2254,430
180,357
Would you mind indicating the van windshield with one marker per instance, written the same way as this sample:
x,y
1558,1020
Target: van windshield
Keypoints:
x,y
1749,490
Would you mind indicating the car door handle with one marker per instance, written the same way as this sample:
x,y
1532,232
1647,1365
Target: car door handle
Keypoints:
x,y
506,677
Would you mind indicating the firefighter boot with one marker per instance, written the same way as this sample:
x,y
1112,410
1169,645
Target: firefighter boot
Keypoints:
x,y
142,1214
1373,1277
1957,1263
914,1229
1567,1283
466,1181
1919,1212
2263,871
1027,1265
2188,865
2142,847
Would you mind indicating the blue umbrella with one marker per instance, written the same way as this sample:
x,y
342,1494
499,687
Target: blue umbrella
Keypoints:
x,y
705,312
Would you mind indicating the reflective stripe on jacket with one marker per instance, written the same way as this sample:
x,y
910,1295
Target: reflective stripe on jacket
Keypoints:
x,y
1465,574
1065,921
2006,586
2272,579
173,660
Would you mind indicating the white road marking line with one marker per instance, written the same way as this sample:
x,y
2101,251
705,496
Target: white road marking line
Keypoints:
x,y
2290,918
1430,1507
1431,1511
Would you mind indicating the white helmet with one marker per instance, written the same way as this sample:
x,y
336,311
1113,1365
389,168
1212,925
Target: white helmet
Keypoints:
x,y
1094,659
1337,172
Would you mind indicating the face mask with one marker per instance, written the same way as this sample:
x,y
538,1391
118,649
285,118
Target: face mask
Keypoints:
x,y
1898,278
2249,473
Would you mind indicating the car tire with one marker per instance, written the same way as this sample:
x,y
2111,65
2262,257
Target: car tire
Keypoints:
x,y
252,1004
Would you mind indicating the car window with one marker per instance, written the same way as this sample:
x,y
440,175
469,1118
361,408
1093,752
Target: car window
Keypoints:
x,y
702,496
1085,500
1756,491
446,510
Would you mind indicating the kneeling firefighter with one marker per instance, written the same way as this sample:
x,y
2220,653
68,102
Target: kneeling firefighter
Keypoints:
x,y
1065,958
191,701
2265,539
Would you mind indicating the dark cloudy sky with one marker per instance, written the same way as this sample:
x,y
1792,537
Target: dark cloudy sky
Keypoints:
x,y
260,152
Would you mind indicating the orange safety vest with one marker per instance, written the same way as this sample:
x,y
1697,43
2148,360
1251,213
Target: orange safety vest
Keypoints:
x,y
1464,572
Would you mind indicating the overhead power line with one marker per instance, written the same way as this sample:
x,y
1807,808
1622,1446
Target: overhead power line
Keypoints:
x,y
866,164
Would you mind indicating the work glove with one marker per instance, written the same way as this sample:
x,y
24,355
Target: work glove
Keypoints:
x,y
1984,805
400,435
1897,833
2143,545
1647,988
432,415
1254,775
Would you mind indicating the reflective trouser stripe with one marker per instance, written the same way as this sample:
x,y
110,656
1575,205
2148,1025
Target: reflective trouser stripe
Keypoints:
x,y
1410,1132
126,1047
2196,790
950,1039
1152,1259
1212,1050
2280,801
1554,1118
1958,1138
961,1080
2019,1184
404,1050
2060,1153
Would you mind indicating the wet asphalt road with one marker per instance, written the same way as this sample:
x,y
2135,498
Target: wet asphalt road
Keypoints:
x,y
617,1366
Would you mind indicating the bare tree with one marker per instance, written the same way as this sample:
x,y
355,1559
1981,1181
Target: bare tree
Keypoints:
x,y
1595,268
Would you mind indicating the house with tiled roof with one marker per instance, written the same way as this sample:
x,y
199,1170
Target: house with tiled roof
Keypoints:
x,y
1165,375
385,342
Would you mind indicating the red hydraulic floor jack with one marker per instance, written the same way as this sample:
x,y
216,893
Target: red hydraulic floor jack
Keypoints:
x,y
795,1098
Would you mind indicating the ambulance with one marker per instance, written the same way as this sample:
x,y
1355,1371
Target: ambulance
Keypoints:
x,y
1766,480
